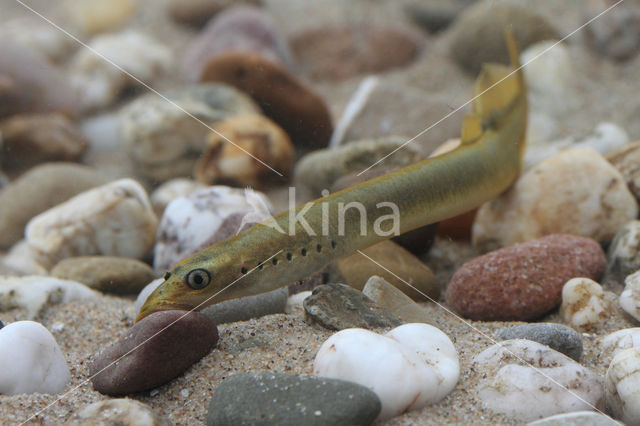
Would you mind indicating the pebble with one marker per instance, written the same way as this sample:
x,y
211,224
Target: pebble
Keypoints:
x,y
625,160
100,15
630,296
118,411
201,219
320,169
557,336
523,281
115,219
356,270
338,306
616,342
394,300
39,36
293,105
107,274
31,139
241,29
35,293
266,397
577,418
574,192
170,190
616,34
31,360
338,52
197,12
507,386
246,308
144,294
21,260
37,190
181,339
548,74
435,17
162,140
477,36
584,306
100,83
295,302
230,163
623,386
32,84
415,365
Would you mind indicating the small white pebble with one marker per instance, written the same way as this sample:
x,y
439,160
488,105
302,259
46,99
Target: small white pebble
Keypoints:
x,y
184,393
317,413
58,327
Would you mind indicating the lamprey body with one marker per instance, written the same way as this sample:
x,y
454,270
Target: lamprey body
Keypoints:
x,y
262,258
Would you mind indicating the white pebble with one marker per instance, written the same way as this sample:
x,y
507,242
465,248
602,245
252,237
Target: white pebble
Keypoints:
x,y
623,386
30,360
184,393
144,294
415,365
34,293
533,391
172,189
294,302
630,297
583,304
620,340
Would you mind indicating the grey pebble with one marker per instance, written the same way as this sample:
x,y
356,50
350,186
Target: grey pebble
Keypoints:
x,y
557,336
338,306
270,398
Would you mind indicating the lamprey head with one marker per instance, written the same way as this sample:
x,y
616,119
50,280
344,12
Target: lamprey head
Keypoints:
x,y
192,285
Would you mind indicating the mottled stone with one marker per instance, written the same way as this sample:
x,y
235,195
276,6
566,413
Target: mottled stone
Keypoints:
x,y
626,160
623,386
523,281
394,301
575,192
181,339
584,306
170,190
557,336
337,306
620,340
121,412
267,397
105,273
630,297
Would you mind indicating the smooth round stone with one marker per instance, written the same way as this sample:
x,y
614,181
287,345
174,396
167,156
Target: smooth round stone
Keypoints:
x,y
558,337
223,162
115,219
170,190
338,52
579,418
267,397
206,216
40,189
624,252
35,293
338,306
30,360
107,274
100,15
181,339
357,269
623,386
523,281
414,365
164,142
121,412
575,192
584,306
630,296
31,139
320,169
38,35
477,36
620,340
539,388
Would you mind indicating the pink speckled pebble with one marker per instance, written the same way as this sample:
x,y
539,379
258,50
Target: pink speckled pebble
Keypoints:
x,y
523,281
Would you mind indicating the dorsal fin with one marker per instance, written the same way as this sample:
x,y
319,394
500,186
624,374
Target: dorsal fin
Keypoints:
x,y
471,128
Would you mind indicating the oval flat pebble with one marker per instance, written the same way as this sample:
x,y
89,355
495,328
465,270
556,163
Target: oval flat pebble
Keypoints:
x,y
120,411
620,340
272,398
623,386
538,389
115,219
584,305
630,296
575,191
523,281
202,218
30,360
415,365
180,339
557,336
107,274
577,418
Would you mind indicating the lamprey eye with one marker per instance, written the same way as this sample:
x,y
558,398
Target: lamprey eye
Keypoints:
x,y
198,278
